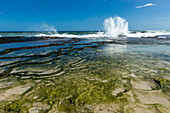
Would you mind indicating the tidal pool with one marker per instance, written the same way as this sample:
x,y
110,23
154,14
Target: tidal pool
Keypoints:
x,y
85,75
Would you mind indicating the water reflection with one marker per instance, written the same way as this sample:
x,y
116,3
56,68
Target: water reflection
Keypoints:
x,y
114,48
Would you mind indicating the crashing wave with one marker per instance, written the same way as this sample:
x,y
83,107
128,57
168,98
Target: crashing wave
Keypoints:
x,y
49,29
116,27
95,35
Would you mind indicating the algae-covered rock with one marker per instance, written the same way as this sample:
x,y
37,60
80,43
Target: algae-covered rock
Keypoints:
x,y
39,107
93,95
65,106
163,83
15,106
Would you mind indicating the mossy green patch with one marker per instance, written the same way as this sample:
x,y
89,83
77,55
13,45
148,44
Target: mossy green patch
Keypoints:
x,y
15,106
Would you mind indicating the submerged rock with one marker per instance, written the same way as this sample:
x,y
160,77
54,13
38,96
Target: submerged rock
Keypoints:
x,y
8,94
117,91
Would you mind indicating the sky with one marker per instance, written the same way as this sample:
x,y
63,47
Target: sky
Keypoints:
x,y
82,15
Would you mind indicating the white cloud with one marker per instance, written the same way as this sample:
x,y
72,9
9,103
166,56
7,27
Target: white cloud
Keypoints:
x,y
146,5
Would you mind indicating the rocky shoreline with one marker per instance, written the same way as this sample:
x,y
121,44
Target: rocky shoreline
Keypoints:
x,y
82,77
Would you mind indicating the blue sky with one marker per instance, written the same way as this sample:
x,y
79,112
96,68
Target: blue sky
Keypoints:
x,y
21,15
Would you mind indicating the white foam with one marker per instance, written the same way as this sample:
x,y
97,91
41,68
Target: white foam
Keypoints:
x,y
146,34
41,35
97,35
49,28
149,34
115,27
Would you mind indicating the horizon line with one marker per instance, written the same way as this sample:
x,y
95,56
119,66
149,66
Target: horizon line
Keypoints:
x,y
76,30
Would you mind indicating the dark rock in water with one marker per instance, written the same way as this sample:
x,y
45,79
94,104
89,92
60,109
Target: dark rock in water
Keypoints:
x,y
4,40
133,32
154,37
143,31
122,35
151,37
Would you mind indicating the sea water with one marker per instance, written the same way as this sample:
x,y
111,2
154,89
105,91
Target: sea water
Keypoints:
x,y
85,71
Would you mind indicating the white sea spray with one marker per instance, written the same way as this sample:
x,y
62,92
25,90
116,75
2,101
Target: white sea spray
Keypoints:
x,y
116,27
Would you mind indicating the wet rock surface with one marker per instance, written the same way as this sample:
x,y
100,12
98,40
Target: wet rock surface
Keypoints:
x,y
83,77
